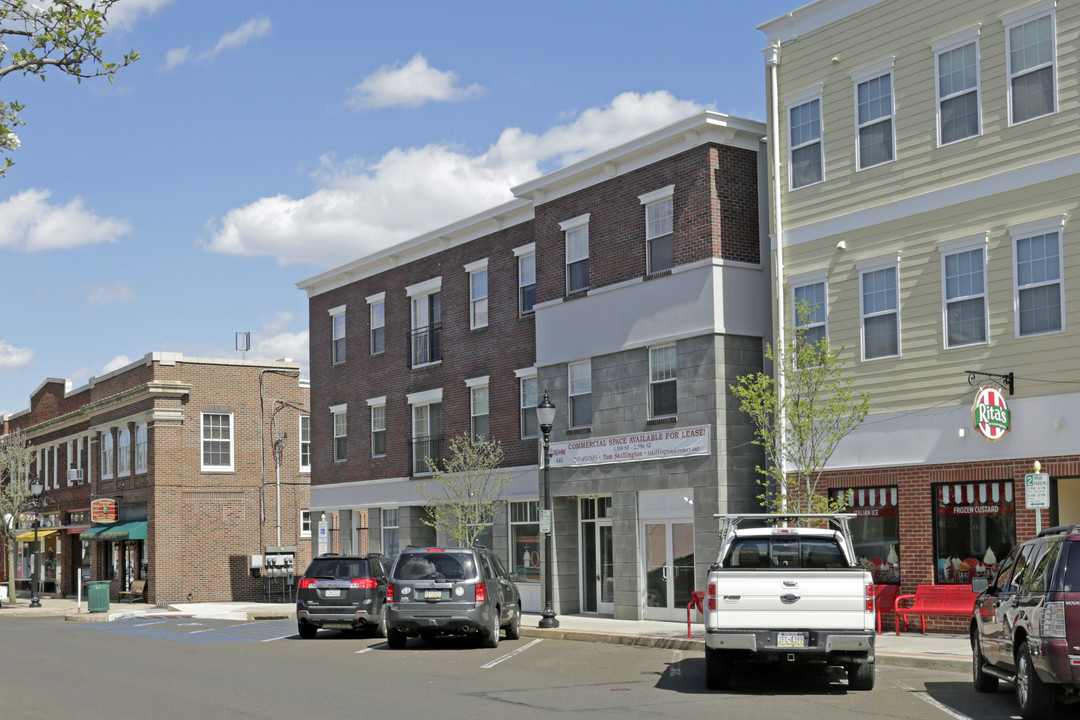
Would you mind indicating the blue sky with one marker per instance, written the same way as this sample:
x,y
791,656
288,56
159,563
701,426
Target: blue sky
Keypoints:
x,y
257,143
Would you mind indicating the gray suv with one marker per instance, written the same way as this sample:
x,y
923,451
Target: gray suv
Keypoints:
x,y
459,591
344,592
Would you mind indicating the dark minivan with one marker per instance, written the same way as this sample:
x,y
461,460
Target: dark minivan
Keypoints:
x,y
345,592
1025,628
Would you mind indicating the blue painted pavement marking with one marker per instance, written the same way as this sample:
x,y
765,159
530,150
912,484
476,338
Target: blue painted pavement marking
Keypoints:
x,y
186,630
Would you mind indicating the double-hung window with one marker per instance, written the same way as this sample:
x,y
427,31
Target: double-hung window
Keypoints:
x,y
426,429
880,308
526,262
874,116
140,448
809,310
377,315
659,229
1031,47
528,402
337,330
123,452
580,383
305,443
378,426
426,335
663,391
480,419
217,441
806,155
339,418
390,532
1038,272
963,280
576,231
106,454
957,61
478,293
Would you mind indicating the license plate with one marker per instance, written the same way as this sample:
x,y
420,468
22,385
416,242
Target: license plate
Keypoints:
x,y
433,594
333,593
790,640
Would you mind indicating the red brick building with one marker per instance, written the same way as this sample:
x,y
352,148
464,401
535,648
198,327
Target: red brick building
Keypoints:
x,y
184,449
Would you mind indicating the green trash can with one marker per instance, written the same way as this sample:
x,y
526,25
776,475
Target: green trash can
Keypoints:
x,y
97,596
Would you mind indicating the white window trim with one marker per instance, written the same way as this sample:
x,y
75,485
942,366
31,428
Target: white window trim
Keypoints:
x,y
127,472
567,226
334,314
473,268
575,222
952,247
305,514
883,67
811,277
520,253
794,100
372,404
145,466
946,44
372,301
668,191
300,442
652,409
335,410
1018,17
570,393
425,397
111,451
232,443
882,262
474,384
520,375
1022,231
424,288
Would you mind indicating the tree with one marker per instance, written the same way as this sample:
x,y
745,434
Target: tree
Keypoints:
x,y
800,426
14,494
63,35
465,489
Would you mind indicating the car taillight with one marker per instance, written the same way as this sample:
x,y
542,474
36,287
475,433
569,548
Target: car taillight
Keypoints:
x,y
481,593
870,599
389,592
710,598
308,582
363,583
1053,620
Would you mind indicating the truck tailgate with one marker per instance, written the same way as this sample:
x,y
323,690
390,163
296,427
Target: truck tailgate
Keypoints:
x,y
778,599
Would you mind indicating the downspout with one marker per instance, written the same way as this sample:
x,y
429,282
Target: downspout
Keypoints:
x,y
772,60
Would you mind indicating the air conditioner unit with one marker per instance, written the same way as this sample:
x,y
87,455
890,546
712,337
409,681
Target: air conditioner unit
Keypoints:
x,y
75,475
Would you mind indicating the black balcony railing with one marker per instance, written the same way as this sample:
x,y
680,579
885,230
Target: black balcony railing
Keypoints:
x,y
425,345
426,451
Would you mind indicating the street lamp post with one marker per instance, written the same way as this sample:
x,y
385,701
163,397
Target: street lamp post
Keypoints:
x,y
35,489
545,416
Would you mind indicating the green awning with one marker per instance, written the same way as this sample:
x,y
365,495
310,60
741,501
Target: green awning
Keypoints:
x,y
118,531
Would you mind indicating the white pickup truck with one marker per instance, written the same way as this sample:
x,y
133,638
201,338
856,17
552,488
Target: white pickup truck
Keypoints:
x,y
793,595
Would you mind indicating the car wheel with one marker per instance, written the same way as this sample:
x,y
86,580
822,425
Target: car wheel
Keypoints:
x,y
307,632
1035,698
490,637
717,669
983,682
513,630
395,639
860,676
380,627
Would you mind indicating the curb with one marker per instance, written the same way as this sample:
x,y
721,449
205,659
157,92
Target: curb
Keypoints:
x,y
653,641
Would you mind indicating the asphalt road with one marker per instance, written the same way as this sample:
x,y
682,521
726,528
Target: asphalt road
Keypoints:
x,y
220,670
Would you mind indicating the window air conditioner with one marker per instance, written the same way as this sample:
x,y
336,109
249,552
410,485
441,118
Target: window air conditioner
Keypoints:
x,y
75,475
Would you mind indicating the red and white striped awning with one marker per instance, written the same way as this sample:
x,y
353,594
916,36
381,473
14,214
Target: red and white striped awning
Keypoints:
x,y
977,493
869,497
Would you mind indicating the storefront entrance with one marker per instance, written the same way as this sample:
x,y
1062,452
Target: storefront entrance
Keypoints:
x,y
597,557
667,542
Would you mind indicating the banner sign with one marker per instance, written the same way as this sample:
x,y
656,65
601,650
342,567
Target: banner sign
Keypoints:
x,y
635,447
103,511
990,413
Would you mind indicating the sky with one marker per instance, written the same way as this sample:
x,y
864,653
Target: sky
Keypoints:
x,y
257,143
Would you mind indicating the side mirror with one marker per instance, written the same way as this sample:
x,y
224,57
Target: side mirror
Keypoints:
x,y
513,577
979,585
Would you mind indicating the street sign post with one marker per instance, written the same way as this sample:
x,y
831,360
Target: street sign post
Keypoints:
x,y
1037,494
545,521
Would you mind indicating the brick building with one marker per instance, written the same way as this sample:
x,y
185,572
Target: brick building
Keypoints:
x,y
630,288
183,447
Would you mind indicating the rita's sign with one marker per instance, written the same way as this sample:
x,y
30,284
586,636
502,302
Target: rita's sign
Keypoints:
x,y
103,511
990,413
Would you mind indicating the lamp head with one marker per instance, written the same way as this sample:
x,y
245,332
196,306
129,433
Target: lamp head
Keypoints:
x,y
36,487
545,414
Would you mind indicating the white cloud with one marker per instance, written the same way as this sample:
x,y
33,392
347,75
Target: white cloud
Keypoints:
x,y
254,28
29,223
360,208
410,85
175,57
99,294
124,15
13,358
115,364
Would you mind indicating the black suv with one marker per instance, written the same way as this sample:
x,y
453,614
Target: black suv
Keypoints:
x,y
1025,628
342,591
456,591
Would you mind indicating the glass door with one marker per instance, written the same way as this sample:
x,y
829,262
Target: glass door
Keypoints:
x,y
669,568
597,557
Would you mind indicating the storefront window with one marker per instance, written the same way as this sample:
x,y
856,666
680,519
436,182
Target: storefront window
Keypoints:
x,y
875,531
974,529
525,540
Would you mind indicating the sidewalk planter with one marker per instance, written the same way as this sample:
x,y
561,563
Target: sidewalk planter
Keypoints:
x,y
97,596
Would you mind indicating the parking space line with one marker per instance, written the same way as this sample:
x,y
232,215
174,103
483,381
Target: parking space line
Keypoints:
x,y
521,649
373,647
923,695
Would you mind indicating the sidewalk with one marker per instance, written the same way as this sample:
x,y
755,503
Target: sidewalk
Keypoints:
x,y
946,653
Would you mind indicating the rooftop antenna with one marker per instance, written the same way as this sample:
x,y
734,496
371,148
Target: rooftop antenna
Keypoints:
x,y
243,343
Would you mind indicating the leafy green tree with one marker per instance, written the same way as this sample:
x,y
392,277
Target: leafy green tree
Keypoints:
x,y
58,35
800,429
465,488
14,495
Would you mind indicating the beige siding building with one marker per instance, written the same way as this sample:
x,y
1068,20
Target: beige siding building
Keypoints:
x,y
925,173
